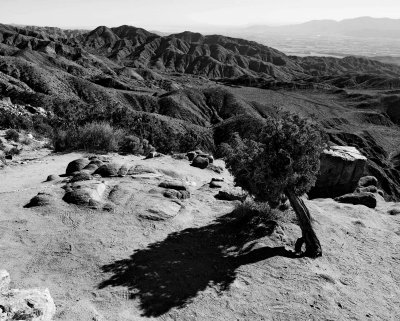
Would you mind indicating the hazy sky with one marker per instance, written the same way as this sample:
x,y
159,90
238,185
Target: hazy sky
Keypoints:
x,y
166,15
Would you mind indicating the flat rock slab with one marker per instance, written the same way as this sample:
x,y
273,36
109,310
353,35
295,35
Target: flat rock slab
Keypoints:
x,y
160,209
366,199
177,185
29,304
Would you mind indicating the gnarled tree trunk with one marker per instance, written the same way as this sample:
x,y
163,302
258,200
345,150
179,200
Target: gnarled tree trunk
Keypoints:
x,y
313,247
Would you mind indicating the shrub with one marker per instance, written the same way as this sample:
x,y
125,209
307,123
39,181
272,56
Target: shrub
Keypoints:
x,y
96,136
2,146
12,134
282,158
14,151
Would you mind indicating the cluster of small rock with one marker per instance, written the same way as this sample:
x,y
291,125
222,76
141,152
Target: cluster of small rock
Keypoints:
x,y
24,304
365,193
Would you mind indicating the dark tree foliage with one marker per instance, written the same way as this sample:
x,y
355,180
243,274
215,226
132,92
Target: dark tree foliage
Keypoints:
x,y
282,158
284,154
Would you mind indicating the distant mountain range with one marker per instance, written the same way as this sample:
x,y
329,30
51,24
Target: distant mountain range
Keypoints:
x,y
160,87
357,27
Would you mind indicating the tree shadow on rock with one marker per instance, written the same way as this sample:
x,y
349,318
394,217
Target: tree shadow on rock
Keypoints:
x,y
171,272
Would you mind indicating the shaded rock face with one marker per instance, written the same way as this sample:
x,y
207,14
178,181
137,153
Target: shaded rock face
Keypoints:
x,y
363,198
340,171
76,165
200,161
368,181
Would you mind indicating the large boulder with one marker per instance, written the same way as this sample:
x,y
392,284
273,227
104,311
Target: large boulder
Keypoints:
x,y
200,161
340,171
108,170
85,193
367,199
76,165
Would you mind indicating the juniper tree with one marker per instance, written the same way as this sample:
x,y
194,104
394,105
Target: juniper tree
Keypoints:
x,y
280,157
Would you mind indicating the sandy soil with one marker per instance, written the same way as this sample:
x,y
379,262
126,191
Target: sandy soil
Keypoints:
x,y
199,265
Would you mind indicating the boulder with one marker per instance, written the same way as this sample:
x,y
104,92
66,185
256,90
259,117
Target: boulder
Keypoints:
x,y
76,166
366,199
4,281
191,155
200,162
340,171
215,184
85,193
41,199
123,170
152,155
231,195
29,304
81,176
52,178
91,168
368,181
177,185
108,170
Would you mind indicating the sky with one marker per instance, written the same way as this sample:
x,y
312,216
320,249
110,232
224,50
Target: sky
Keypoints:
x,y
195,15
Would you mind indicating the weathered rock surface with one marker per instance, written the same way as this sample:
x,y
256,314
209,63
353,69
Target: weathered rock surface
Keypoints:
x,y
81,176
367,199
160,209
76,165
340,171
85,193
29,304
141,169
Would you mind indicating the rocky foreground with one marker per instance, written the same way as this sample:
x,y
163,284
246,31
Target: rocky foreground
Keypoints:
x,y
161,239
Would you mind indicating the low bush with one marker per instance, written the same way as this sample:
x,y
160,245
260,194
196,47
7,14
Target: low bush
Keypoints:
x,y
96,136
12,134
